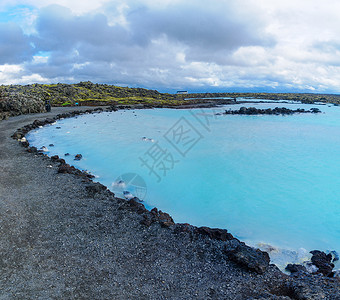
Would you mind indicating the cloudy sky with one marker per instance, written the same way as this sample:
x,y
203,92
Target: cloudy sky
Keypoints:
x,y
195,45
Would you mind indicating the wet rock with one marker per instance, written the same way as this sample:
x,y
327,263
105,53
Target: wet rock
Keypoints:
x,y
323,262
55,158
78,157
18,135
25,144
38,123
136,206
67,154
51,145
294,268
155,215
137,199
185,227
58,127
66,168
215,233
164,219
253,259
43,149
32,150
315,110
269,111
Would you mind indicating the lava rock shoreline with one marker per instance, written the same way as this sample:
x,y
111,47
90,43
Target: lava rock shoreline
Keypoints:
x,y
268,111
215,242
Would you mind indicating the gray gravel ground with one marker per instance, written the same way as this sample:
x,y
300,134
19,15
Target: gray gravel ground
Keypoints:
x,y
59,242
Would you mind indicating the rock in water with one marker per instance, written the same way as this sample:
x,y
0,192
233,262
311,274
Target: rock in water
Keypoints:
x,y
294,268
323,262
78,157
253,259
128,195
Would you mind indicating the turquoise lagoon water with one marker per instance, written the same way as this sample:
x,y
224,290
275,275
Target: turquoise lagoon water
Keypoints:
x,y
269,180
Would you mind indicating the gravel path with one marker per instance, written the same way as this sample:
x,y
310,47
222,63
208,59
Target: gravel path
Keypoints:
x,y
60,241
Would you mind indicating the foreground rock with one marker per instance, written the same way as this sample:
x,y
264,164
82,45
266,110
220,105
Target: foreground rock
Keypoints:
x,y
255,260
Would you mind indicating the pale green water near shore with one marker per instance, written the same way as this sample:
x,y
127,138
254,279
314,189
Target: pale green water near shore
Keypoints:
x,y
270,179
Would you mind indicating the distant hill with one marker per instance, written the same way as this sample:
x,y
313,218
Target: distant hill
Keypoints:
x,y
20,99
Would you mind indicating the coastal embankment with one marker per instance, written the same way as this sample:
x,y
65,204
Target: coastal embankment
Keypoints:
x,y
65,237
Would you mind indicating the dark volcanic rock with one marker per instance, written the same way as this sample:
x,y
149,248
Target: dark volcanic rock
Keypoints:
x,y
154,216
18,135
55,158
94,188
136,206
269,111
215,233
323,262
164,218
32,150
16,103
66,168
293,268
315,110
253,259
25,144
78,157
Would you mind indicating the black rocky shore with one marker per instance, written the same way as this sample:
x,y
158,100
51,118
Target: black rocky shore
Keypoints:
x,y
270,111
65,237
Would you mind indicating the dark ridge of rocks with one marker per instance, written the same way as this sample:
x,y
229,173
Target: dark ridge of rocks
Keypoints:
x,y
254,260
21,132
215,233
56,158
323,262
95,187
269,111
32,150
65,168
294,268
134,205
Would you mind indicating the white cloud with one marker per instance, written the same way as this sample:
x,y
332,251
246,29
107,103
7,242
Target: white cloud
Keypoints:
x,y
175,44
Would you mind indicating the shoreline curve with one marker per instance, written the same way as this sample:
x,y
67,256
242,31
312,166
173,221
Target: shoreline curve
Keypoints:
x,y
239,257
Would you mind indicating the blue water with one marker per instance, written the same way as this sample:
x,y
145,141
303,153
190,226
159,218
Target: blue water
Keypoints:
x,y
267,179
